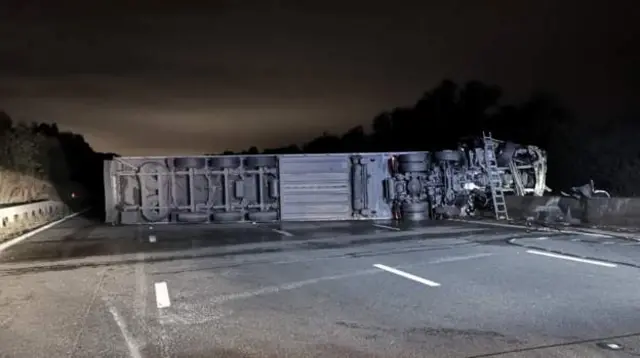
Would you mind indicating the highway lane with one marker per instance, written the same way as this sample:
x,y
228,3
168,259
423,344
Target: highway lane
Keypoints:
x,y
619,251
363,289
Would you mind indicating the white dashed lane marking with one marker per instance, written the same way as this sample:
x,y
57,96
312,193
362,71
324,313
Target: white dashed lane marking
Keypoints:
x,y
162,295
407,275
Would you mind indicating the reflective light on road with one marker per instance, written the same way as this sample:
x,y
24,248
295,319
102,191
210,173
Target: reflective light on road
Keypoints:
x,y
609,345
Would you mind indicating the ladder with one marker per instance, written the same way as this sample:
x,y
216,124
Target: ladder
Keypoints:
x,y
495,181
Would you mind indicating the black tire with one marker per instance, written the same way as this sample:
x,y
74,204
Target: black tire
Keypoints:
x,y
263,216
448,156
417,207
412,167
150,215
418,216
413,162
415,211
414,157
227,216
261,162
225,162
196,163
192,217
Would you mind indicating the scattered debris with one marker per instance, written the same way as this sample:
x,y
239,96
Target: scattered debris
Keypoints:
x,y
586,191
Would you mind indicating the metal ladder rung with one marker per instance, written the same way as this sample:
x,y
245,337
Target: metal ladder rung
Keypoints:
x,y
495,180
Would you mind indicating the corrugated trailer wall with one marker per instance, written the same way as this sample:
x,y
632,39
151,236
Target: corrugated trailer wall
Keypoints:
x,y
315,187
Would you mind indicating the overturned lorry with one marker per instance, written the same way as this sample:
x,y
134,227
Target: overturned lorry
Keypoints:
x,y
321,187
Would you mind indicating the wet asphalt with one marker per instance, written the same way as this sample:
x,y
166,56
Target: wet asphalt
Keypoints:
x,y
334,289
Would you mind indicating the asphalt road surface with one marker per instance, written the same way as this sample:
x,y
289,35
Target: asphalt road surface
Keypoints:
x,y
339,289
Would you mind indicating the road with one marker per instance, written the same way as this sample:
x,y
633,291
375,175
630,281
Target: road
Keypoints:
x,y
338,289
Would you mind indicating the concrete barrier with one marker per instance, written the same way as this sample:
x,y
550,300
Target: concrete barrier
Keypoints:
x,y
595,211
613,211
20,218
524,207
545,208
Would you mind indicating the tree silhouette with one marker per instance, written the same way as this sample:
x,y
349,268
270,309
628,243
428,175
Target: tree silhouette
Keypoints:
x,y
323,144
354,140
37,161
578,151
5,123
290,149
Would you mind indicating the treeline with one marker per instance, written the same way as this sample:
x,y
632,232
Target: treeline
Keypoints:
x,y
38,161
607,152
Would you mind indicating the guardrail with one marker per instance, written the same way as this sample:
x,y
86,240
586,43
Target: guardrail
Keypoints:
x,y
20,218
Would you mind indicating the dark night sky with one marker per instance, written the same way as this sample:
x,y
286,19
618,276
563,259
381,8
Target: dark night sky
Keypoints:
x,y
145,79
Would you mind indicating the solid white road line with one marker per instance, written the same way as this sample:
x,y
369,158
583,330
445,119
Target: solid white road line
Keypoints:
x,y
282,232
134,352
570,258
543,238
152,238
387,227
162,295
585,233
533,228
409,276
21,238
